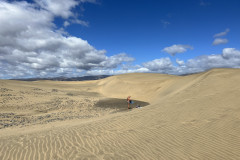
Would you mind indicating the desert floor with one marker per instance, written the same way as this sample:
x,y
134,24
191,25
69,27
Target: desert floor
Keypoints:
x,y
181,117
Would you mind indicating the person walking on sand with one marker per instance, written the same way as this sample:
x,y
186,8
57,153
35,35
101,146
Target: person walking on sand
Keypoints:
x,y
129,101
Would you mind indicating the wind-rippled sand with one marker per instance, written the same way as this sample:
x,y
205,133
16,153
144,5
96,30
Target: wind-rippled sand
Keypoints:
x,y
181,117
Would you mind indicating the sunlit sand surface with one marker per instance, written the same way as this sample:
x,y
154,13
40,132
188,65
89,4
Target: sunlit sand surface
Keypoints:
x,y
181,117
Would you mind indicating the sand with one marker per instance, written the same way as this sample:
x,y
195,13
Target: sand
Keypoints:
x,y
181,117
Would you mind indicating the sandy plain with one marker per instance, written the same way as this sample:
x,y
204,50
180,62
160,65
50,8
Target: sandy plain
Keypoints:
x,y
181,117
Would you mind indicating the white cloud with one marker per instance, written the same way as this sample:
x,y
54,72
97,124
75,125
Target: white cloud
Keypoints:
x,y
32,47
58,8
231,53
230,58
66,23
219,41
222,33
163,65
89,1
83,23
64,9
115,72
180,62
174,49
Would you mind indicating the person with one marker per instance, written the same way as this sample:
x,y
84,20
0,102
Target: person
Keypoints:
x,y
129,101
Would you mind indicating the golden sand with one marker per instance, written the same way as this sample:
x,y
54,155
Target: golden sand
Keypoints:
x,y
181,117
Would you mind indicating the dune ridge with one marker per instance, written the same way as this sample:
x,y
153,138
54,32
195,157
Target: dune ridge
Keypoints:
x,y
188,117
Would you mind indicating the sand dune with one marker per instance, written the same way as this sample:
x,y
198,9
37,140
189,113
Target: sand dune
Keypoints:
x,y
182,117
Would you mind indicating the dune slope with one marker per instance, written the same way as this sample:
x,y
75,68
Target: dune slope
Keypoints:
x,y
189,117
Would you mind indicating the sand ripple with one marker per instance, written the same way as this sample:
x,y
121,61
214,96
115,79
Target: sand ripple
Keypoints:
x,y
194,117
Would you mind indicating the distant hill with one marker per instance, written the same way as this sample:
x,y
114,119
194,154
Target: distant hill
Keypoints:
x,y
84,78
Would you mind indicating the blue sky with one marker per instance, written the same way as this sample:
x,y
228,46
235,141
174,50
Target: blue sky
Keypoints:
x,y
91,37
142,28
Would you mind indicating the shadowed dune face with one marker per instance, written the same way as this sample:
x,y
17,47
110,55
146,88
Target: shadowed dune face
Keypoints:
x,y
185,117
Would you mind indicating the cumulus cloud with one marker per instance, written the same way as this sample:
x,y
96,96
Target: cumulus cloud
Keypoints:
x,y
131,69
32,47
35,47
64,9
180,62
231,53
58,8
229,58
219,41
174,49
163,65
222,33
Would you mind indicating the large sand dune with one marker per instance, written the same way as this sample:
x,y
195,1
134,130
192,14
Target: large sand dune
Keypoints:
x,y
182,117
